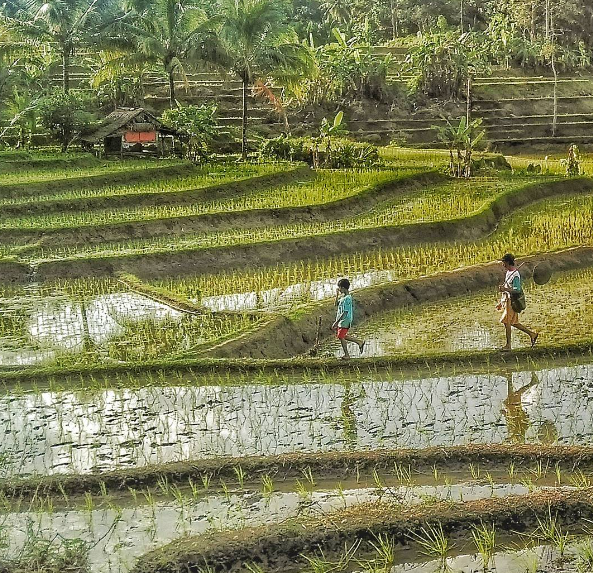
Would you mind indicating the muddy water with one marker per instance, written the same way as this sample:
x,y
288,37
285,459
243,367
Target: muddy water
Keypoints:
x,y
53,432
36,328
535,559
119,534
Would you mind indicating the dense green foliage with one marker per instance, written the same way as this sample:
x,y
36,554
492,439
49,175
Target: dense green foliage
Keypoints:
x,y
292,53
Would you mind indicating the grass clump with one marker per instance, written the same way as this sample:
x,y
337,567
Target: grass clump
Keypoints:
x,y
40,555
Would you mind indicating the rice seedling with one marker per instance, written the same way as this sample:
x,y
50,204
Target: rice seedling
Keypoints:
x,y
267,485
385,550
484,538
549,530
433,541
379,484
538,471
403,473
550,225
198,179
58,171
303,491
240,475
584,560
308,475
89,503
580,480
325,187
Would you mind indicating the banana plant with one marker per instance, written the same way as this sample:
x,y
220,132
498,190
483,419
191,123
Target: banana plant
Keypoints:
x,y
461,141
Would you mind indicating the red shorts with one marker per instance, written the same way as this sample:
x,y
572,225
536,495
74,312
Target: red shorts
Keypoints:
x,y
342,333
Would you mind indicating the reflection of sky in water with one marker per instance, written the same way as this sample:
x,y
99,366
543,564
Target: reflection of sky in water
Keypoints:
x,y
59,324
64,431
140,530
300,292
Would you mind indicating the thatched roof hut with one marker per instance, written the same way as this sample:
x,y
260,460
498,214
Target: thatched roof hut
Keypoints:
x,y
131,131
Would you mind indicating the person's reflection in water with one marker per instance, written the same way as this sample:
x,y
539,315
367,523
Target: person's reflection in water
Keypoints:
x,y
349,417
516,417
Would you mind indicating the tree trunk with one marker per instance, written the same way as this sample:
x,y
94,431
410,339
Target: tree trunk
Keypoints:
x,y
172,100
461,16
555,105
547,19
533,2
394,18
244,123
468,103
66,70
287,129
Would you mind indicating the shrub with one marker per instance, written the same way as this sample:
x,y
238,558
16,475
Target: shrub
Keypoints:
x,y
286,148
198,126
345,154
348,154
65,115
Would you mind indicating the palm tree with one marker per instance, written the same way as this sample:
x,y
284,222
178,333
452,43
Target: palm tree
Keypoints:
x,y
259,43
66,24
170,33
337,11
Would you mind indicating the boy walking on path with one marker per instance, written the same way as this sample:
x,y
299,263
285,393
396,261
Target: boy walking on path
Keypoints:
x,y
510,318
345,317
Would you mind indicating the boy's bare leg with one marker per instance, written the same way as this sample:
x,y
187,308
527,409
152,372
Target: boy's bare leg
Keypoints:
x,y
507,328
345,348
530,333
360,343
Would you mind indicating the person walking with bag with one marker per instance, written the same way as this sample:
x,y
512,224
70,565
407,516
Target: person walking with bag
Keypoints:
x,y
512,302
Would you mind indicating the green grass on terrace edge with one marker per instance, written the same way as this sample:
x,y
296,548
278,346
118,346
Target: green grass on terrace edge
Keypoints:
x,y
400,175
520,358
166,249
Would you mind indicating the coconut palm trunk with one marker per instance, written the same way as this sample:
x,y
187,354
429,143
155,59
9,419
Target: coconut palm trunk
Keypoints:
x,y
66,70
172,99
244,122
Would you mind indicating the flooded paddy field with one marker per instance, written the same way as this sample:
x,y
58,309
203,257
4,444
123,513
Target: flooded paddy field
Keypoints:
x,y
559,311
67,438
65,431
101,321
119,530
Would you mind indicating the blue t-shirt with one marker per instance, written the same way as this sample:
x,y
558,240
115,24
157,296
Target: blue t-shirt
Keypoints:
x,y
345,305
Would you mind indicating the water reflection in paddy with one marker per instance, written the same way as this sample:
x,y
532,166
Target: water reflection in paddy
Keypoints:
x,y
53,432
120,533
37,328
304,292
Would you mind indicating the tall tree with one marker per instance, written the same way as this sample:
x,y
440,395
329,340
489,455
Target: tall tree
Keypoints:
x,y
260,43
169,33
66,25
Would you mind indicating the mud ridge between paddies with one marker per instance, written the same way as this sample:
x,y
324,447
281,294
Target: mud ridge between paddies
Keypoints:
x,y
339,465
282,545
91,376
288,336
249,219
210,260
213,192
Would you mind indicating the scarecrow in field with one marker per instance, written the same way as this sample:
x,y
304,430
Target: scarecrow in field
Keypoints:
x,y
512,302
345,317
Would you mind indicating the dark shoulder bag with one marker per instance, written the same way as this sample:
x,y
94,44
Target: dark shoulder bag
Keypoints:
x,y
518,302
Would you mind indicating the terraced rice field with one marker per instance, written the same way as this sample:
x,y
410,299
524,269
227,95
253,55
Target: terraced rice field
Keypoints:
x,y
172,397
